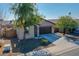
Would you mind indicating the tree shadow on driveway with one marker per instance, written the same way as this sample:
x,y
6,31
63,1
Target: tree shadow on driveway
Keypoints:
x,y
28,45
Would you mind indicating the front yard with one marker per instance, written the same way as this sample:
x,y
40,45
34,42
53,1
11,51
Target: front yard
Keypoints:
x,y
32,44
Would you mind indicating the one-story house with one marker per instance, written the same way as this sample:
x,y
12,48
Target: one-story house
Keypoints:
x,y
44,27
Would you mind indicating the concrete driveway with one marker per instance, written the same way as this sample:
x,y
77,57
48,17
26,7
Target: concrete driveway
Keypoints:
x,y
62,46
74,52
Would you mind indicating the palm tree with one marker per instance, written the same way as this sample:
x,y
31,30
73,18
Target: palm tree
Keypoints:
x,y
25,14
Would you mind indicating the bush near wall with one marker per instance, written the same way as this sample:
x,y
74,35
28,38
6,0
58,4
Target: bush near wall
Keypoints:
x,y
44,41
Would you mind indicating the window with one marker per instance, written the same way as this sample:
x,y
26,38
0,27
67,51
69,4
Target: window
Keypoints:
x,y
27,30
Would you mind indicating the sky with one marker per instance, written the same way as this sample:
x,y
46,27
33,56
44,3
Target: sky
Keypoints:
x,y
49,10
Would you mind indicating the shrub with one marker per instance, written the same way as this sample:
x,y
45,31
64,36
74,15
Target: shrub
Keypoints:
x,y
44,41
66,24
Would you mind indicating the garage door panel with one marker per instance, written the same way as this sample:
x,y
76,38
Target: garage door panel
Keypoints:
x,y
45,30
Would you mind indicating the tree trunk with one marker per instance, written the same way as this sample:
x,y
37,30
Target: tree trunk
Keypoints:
x,y
64,31
24,33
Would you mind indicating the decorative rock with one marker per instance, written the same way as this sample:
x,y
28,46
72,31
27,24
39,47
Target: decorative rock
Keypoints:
x,y
39,53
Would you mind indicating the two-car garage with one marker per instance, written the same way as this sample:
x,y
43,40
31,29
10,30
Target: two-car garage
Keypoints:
x,y
45,27
45,30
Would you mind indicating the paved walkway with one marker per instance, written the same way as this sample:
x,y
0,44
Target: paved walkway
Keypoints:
x,y
61,46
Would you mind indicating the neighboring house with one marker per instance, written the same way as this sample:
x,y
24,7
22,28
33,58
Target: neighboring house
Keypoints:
x,y
5,23
6,29
44,27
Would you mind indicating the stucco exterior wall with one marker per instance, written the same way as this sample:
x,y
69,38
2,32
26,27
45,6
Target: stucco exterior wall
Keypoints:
x,y
52,29
20,33
31,33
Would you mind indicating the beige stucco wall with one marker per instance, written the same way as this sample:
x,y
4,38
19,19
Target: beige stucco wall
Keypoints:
x,y
31,33
20,33
52,29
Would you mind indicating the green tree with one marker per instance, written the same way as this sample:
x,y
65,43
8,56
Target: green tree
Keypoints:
x,y
25,14
66,23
